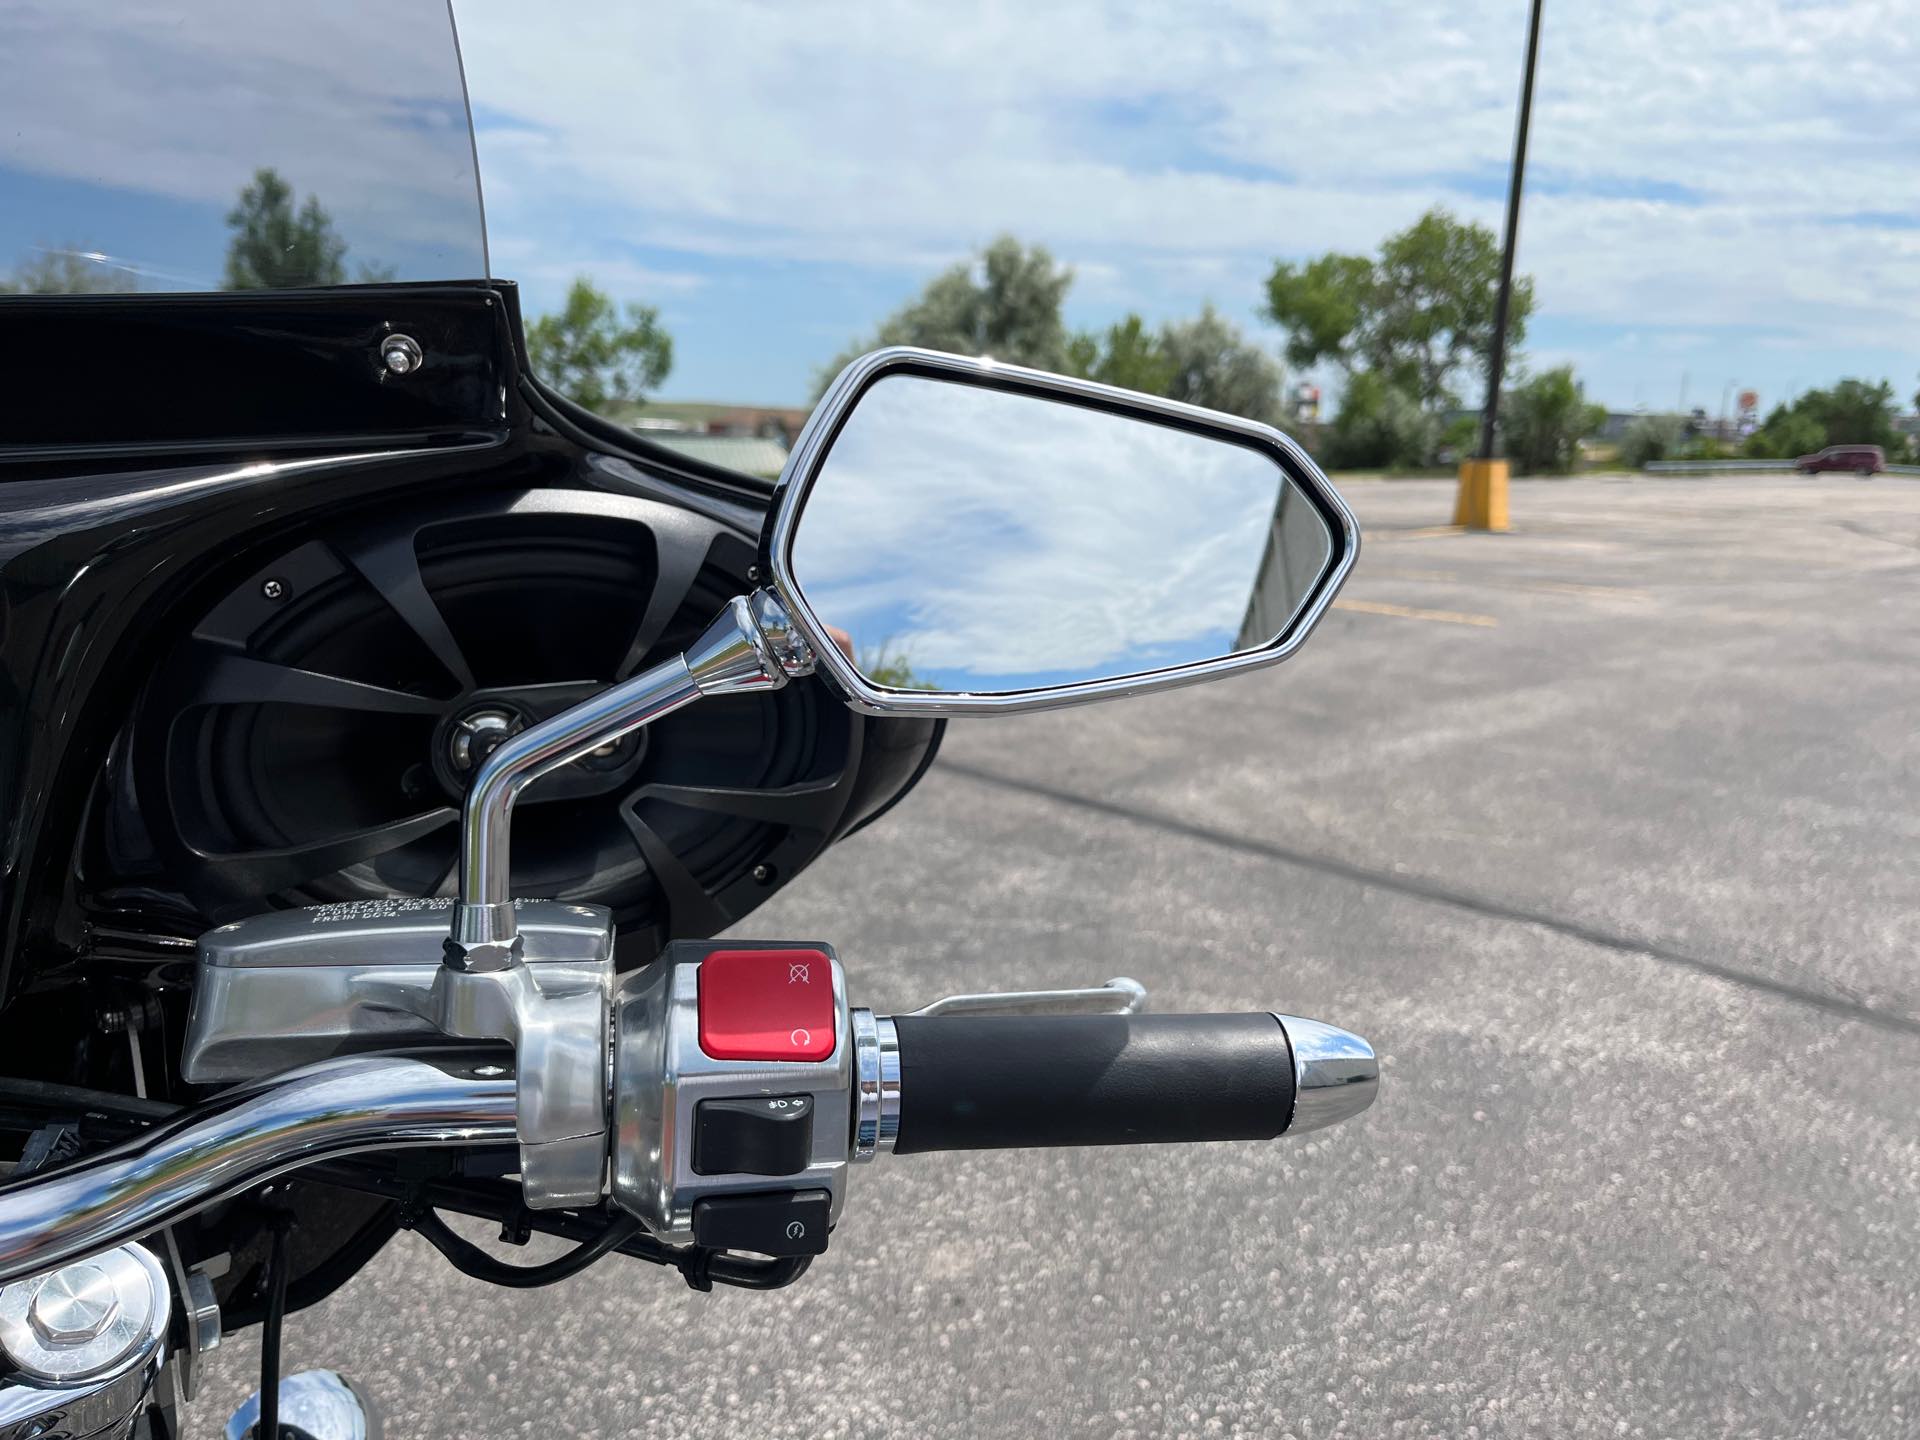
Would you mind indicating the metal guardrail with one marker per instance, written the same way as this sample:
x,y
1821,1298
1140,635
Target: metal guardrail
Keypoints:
x,y
1714,467
1748,467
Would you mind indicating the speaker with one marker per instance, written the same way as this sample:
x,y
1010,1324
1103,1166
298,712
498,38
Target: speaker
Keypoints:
x,y
311,737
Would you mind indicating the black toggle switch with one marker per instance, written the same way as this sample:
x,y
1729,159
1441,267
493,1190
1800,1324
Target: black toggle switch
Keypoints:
x,y
753,1135
780,1222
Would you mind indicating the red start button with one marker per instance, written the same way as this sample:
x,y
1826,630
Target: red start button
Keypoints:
x,y
766,1005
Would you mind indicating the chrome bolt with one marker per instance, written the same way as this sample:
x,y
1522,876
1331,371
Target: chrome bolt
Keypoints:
x,y
762,874
401,354
75,1305
478,736
753,574
274,589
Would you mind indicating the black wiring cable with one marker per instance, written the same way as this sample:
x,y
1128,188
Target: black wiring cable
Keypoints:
x,y
268,1425
469,1259
56,1096
328,1276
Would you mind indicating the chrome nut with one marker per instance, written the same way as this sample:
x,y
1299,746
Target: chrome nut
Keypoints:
x,y
75,1305
483,957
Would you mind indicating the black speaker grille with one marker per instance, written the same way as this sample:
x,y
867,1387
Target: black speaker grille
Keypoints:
x,y
296,747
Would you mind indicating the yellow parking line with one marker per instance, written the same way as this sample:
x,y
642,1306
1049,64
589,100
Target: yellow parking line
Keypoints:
x,y
1410,612
1546,587
1427,532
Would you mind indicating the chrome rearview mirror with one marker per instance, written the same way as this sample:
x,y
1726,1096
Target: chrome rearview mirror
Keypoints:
x,y
955,536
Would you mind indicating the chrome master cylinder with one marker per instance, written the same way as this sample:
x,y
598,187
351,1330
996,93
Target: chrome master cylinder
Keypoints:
x,y
284,989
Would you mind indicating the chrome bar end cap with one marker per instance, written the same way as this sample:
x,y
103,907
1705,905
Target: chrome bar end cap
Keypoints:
x,y
88,1320
1335,1073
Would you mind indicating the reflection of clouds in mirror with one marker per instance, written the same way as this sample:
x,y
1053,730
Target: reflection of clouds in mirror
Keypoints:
x,y
995,541
129,130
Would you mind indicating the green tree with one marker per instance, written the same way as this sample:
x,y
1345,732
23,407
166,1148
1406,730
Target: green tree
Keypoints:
x,y
1004,303
1415,314
1126,354
1215,366
887,667
276,246
1203,361
590,352
1650,438
1546,417
1379,426
1852,412
1785,435
65,271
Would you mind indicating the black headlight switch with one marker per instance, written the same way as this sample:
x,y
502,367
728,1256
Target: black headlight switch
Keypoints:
x,y
753,1135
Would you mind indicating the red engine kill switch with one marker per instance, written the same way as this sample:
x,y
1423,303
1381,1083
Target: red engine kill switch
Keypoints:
x,y
766,1005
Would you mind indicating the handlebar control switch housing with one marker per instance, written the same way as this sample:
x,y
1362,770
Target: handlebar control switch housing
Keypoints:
x,y
734,1052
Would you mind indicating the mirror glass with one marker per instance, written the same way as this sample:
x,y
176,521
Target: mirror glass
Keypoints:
x,y
961,538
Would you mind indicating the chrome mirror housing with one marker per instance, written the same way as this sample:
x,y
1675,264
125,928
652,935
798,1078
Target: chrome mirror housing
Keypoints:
x,y
955,536
1003,540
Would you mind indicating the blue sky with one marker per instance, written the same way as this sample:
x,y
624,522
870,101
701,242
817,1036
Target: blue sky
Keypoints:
x,y
1724,195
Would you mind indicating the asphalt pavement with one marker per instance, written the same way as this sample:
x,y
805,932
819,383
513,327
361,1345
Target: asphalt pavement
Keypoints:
x,y
1605,832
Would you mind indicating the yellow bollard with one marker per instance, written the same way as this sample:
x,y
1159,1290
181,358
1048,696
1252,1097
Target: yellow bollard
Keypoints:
x,y
1482,501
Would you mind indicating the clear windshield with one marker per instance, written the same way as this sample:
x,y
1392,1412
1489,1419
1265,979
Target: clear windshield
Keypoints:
x,y
233,145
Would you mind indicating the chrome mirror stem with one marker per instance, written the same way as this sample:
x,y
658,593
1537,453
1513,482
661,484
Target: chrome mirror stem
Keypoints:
x,y
751,647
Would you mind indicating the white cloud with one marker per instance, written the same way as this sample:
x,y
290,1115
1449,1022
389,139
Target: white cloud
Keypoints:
x,y
1717,169
900,135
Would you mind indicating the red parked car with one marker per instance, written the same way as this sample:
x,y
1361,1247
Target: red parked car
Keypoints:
x,y
1865,459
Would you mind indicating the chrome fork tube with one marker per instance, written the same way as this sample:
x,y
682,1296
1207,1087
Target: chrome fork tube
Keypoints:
x,y
245,1137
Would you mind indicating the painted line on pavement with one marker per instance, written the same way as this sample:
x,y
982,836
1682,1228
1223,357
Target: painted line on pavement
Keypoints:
x,y
1842,1007
1413,612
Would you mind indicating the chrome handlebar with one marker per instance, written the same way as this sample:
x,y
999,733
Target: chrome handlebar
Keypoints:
x,y
246,1137
658,1073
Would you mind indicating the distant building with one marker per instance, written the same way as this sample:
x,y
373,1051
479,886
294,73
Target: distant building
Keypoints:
x,y
753,439
769,423
749,454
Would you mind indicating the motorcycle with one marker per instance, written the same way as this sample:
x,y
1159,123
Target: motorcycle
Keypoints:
x,y
338,549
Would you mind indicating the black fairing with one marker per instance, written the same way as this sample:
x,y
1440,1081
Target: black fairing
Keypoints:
x,y
180,474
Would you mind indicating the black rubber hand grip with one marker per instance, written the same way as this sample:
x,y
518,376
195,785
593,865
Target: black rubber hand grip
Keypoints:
x,y
1010,1081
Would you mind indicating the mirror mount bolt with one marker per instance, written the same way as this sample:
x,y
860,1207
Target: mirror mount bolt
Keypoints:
x,y
401,354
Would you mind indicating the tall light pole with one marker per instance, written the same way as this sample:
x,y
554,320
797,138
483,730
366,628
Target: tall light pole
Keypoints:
x,y
1483,482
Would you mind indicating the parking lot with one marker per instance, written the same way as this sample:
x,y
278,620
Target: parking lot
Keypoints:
x,y
1604,832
